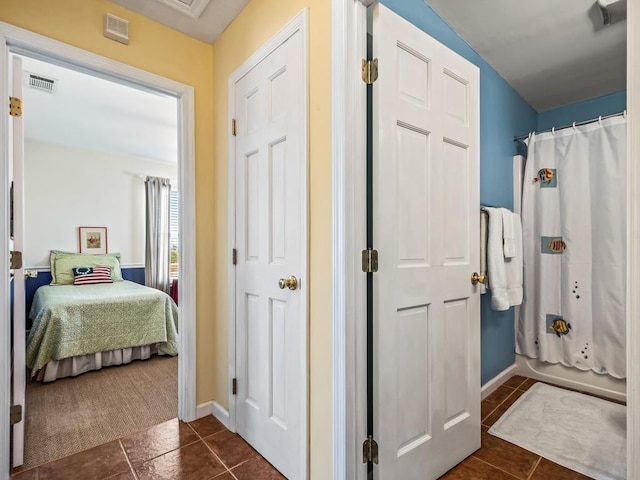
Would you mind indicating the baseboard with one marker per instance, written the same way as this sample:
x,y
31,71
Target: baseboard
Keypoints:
x,y
493,384
221,414
204,409
215,409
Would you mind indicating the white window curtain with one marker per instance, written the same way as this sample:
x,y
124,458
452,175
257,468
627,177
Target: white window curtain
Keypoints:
x,y
156,272
574,232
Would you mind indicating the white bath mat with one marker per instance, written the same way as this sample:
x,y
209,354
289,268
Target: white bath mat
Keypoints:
x,y
580,432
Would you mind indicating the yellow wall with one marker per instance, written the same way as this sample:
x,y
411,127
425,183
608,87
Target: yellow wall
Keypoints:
x,y
160,50
258,22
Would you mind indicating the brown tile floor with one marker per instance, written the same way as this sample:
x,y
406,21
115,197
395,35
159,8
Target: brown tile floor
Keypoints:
x,y
501,460
205,449
173,450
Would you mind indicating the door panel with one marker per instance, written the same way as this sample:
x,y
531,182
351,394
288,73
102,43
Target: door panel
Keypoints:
x,y
18,388
426,229
270,217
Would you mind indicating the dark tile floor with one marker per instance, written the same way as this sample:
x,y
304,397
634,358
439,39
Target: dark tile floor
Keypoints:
x,y
205,449
200,450
501,460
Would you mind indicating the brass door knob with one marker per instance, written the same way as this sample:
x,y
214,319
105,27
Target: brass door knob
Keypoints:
x,y
290,282
476,278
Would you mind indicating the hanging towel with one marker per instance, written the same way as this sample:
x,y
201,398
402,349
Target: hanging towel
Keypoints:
x,y
513,265
484,217
509,242
495,261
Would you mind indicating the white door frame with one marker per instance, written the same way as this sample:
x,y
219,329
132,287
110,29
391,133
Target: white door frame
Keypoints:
x,y
349,229
298,24
24,42
349,285
633,240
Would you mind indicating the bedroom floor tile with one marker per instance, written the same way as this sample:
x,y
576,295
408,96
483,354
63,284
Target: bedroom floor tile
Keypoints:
x,y
98,462
193,462
171,450
207,426
547,469
230,448
158,440
474,469
206,450
257,469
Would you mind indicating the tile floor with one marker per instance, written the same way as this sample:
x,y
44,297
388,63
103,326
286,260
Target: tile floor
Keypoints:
x,y
501,460
200,450
206,450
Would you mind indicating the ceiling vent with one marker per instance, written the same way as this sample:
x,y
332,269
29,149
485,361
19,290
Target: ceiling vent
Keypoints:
x,y
40,82
192,8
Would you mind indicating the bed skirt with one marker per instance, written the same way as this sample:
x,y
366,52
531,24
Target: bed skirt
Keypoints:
x,y
73,366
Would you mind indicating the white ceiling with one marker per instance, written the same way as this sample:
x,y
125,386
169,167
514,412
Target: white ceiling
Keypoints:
x,y
208,27
95,114
552,52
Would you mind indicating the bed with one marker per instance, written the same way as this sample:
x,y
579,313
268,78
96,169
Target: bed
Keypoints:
x,y
77,328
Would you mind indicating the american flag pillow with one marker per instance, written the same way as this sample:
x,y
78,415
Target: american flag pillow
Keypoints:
x,y
88,275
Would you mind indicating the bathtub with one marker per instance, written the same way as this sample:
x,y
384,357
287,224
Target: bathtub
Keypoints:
x,y
585,381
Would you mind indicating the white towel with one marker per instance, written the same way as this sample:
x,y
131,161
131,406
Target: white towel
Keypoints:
x,y
514,265
496,262
509,242
484,218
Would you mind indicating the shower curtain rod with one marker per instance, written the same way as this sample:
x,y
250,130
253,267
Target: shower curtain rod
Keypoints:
x,y
519,138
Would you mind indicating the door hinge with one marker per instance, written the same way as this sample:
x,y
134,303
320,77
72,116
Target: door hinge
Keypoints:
x,y
369,71
234,256
15,107
369,260
370,450
234,386
16,260
15,414
234,126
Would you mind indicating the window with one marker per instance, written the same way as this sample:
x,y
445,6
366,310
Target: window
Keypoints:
x,y
174,233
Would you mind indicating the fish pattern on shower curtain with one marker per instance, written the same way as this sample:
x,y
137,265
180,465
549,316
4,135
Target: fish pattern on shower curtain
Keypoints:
x,y
574,234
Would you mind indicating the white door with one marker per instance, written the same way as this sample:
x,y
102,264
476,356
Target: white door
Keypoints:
x,y
19,370
270,197
426,229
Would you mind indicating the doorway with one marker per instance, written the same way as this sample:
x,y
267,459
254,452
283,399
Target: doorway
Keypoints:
x,y
88,151
15,40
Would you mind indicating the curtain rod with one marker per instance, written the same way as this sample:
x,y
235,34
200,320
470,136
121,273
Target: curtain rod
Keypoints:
x,y
519,138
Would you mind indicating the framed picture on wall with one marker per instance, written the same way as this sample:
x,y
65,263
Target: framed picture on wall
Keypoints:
x,y
93,240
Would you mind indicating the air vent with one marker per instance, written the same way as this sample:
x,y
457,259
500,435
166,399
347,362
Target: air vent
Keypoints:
x,y
116,28
40,82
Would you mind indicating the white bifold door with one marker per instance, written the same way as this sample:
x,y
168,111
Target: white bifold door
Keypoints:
x,y
426,229
270,237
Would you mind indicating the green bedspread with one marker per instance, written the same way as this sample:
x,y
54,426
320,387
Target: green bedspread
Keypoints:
x,y
70,320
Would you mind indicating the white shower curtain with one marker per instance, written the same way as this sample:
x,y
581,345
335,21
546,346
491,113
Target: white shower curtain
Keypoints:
x,y
574,232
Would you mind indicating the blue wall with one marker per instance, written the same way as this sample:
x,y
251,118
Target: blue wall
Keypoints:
x,y
578,112
503,115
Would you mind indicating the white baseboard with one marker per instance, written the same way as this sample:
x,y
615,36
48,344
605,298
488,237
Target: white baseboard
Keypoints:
x,y
204,409
215,409
493,384
221,414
